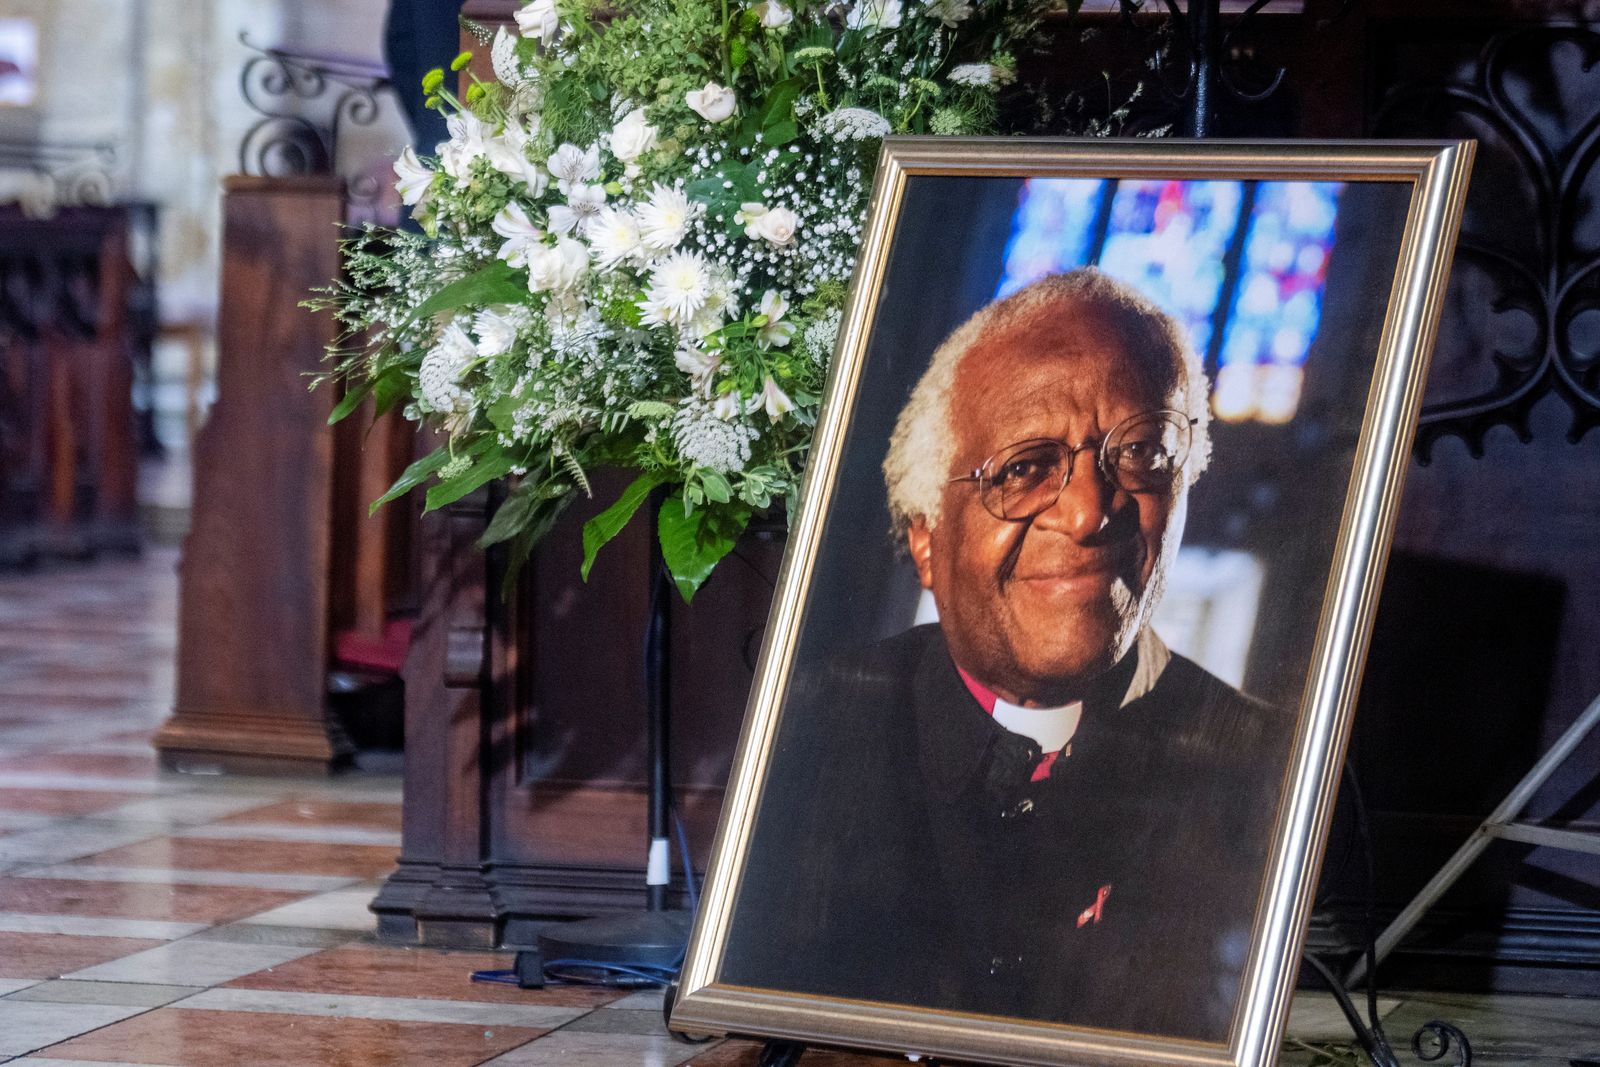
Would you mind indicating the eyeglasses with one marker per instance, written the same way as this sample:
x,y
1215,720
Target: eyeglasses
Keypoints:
x,y
1142,454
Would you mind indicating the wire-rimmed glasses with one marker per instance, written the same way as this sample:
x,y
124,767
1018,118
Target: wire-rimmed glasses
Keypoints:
x,y
1141,454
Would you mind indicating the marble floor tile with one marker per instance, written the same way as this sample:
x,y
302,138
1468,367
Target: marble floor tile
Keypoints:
x,y
180,1038
315,812
342,909
642,1000
326,835
244,934
371,970
189,809
271,857
192,962
96,926
286,883
1316,1016
748,1054
108,766
9,986
37,1061
642,1022
23,820
51,956
129,994
52,844
399,1009
567,1049
27,1026
137,900
86,783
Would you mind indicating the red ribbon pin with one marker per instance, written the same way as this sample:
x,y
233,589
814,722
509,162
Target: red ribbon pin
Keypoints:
x,y
1091,914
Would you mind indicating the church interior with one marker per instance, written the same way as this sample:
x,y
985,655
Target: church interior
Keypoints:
x,y
287,783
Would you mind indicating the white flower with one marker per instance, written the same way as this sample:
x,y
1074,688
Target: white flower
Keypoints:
x,y
558,267
713,103
776,226
496,332
774,16
665,217
775,400
821,335
874,15
980,75
440,373
415,179
699,366
507,154
585,201
521,235
728,406
705,438
539,20
632,137
854,124
679,286
949,12
571,165
719,304
747,215
503,58
776,333
562,219
469,140
613,236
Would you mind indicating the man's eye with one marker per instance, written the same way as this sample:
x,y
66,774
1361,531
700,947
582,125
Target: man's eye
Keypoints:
x,y
1017,470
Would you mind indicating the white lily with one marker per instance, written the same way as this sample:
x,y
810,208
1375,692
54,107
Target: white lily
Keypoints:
x,y
521,235
415,179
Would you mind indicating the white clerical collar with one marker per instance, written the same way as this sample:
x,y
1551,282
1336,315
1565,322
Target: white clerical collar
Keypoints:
x,y
1050,728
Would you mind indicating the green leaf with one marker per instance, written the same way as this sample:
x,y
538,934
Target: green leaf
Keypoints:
x,y
494,463
388,390
530,506
412,476
497,283
692,544
716,486
349,402
610,522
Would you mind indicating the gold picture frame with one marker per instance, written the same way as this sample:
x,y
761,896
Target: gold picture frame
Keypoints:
x,y
1435,176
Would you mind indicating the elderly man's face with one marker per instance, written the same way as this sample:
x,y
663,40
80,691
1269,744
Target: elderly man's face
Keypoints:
x,y
1038,608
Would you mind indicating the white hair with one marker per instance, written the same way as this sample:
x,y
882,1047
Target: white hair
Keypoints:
x,y
923,445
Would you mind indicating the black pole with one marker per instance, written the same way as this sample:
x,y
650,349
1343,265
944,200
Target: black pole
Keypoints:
x,y
658,707
1205,44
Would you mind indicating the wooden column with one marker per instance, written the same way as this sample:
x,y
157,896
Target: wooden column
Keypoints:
x,y
253,611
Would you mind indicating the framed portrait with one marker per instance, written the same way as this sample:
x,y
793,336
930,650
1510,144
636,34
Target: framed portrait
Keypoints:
x,y
1045,734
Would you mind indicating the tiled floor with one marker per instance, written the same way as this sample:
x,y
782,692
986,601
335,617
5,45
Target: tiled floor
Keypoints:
x,y
195,921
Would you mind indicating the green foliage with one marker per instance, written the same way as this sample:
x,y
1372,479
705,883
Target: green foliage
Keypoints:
x,y
610,522
693,540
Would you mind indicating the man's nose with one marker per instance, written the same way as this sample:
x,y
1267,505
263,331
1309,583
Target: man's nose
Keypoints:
x,y
1085,505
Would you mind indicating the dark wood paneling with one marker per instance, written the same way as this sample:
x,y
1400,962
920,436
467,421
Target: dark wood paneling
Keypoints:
x,y
254,600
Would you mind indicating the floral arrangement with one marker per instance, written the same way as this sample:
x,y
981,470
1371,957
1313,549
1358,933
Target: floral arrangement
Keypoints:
x,y
636,247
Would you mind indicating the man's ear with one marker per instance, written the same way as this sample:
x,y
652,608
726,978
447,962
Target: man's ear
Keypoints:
x,y
919,540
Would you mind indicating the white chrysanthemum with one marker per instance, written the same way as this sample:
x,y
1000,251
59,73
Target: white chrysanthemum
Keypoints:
x,y
854,124
717,444
949,12
440,373
496,329
875,15
679,287
414,178
665,217
614,237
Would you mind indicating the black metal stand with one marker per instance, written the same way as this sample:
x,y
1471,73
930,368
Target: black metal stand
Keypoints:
x,y
655,937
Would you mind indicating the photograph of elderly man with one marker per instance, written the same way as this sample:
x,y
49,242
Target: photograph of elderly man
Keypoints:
x,y
1039,719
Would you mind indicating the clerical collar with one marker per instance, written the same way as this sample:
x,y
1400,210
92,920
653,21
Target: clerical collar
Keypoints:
x,y
1052,728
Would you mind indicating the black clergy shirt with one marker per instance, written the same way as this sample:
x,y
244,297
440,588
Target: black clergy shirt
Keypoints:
x,y
902,854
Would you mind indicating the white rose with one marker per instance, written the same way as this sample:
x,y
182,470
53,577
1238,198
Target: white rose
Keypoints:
x,y
539,20
776,226
713,103
633,136
774,16
559,266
